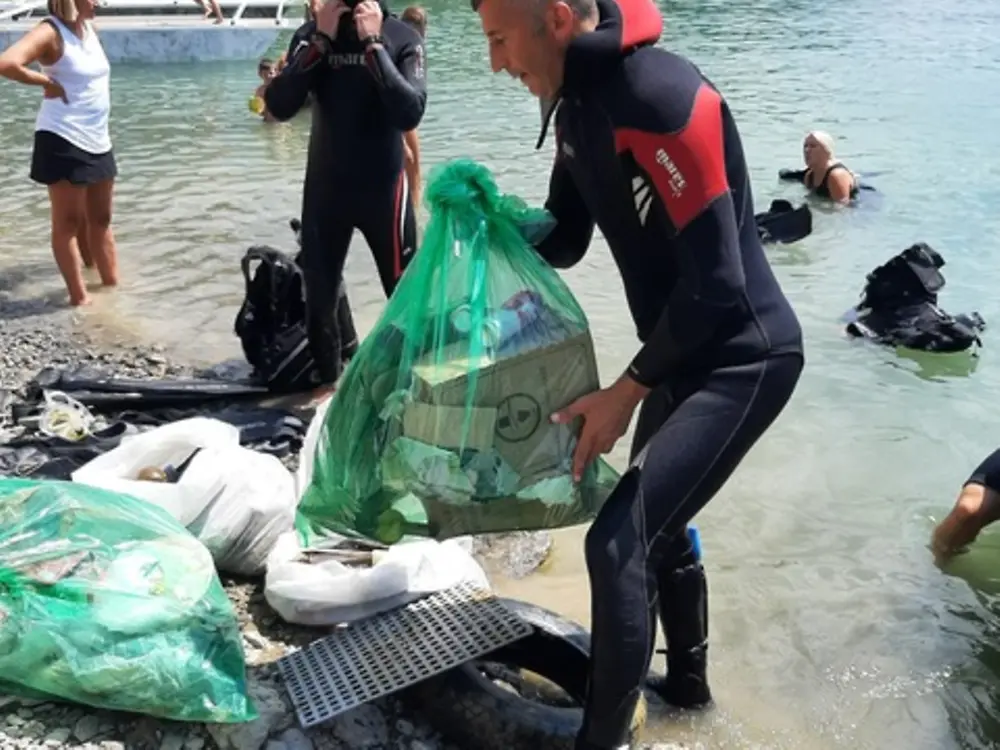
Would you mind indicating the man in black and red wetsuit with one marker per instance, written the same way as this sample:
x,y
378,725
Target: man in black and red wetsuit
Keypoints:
x,y
648,151
365,71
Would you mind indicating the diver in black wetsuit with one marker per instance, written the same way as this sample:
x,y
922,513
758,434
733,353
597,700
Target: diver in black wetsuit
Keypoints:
x,y
365,70
648,151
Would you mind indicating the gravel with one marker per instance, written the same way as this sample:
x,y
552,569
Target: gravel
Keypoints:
x,y
35,334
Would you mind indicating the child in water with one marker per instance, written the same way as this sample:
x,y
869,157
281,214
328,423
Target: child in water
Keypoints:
x,y
266,70
416,17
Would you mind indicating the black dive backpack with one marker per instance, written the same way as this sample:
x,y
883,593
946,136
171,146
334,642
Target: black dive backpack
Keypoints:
x,y
271,323
899,306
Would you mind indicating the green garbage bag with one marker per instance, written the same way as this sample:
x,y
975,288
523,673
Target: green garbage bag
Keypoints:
x,y
107,601
440,426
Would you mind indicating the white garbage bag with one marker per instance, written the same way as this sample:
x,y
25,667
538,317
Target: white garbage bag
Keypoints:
x,y
328,592
170,445
307,456
236,501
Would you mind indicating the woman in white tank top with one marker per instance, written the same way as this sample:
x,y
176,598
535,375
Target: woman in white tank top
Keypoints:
x,y
72,153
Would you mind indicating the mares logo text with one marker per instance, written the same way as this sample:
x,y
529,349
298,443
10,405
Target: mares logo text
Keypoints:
x,y
345,59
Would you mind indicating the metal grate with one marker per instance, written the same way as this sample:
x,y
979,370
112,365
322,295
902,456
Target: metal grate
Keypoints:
x,y
396,649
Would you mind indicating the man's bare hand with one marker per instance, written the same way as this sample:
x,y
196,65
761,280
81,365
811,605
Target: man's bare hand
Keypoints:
x,y
328,17
368,18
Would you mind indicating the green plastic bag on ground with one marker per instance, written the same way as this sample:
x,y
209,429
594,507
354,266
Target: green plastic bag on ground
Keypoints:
x,y
107,601
440,426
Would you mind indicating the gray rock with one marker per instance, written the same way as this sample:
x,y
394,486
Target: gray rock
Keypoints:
x,y
59,736
363,728
194,743
255,639
295,739
172,741
275,715
86,728
514,555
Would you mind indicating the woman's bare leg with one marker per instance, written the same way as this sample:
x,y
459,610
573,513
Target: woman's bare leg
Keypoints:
x,y
411,162
68,207
83,243
102,239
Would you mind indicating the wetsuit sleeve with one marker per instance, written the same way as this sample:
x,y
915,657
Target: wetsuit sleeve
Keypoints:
x,y
402,82
567,243
684,156
286,94
988,472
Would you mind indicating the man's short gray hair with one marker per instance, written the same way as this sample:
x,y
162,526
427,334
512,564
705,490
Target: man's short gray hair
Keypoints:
x,y
580,8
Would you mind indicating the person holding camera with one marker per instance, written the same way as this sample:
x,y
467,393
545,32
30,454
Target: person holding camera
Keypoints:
x,y
365,71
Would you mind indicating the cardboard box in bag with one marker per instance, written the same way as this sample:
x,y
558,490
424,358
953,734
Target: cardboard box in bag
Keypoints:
x,y
514,398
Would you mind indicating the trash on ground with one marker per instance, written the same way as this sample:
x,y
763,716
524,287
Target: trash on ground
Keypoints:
x,y
342,581
440,426
52,433
107,601
234,500
103,393
397,649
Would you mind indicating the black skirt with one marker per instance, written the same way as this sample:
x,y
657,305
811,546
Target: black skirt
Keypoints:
x,y
54,159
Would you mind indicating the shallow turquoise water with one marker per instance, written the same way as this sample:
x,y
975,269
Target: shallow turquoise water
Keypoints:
x,y
831,627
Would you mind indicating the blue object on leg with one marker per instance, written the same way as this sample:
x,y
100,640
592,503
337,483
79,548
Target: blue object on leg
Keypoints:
x,y
695,537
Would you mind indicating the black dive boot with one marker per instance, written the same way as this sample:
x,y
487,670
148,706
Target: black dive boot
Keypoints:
x,y
683,595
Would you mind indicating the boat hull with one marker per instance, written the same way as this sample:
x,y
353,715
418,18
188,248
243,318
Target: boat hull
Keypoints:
x,y
158,42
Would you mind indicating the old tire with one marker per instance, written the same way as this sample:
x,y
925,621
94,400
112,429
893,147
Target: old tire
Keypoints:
x,y
471,709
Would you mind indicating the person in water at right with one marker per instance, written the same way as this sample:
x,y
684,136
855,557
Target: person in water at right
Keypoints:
x,y
977,506
416,17
648,151
825,176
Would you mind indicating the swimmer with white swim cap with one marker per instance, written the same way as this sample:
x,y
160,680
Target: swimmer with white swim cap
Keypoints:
x,y
825,176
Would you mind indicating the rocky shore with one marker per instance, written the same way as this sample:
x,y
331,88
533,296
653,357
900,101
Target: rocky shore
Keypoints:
x,y
38,334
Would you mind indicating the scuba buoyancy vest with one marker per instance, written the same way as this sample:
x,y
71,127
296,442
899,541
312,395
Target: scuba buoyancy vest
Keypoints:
x,y
271,323
898,306
784,223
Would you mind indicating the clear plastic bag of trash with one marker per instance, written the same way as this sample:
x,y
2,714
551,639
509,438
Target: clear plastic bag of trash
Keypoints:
x,y
107,601
440,426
